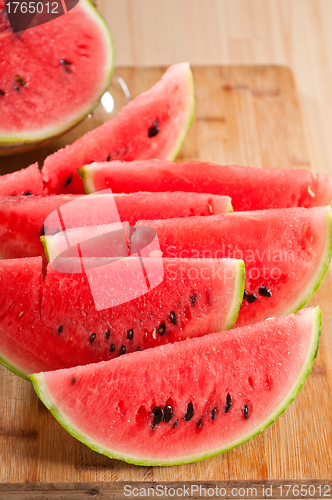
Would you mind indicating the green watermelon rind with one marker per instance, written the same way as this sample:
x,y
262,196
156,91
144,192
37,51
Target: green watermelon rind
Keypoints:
x,y
10,142
39,386
237,296
86,172
12,368
44,240
191,115
321,269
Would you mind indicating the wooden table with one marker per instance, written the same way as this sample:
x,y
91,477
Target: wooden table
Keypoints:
x,y
245,115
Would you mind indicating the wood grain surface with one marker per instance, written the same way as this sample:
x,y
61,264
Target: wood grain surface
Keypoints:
x,y
244,115
293,33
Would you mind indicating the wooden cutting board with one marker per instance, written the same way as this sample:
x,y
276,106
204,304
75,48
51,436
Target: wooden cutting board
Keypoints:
x,y
244,115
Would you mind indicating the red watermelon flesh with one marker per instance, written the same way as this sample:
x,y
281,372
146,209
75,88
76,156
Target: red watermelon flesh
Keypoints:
x,y
23,218
26,181
249,188
22,223
286,253
202,397
151,126
52,75
56,324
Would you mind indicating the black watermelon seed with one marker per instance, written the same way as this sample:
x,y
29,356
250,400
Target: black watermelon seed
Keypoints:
x,y
154,129
175,424
68,181
158,415
190,412
112,348
123,350
193,299
139,348
20,80
2,92
27,193
162,329
244,295
107,334
172,318
65,62
168,413
245,412
130,334
60,329
251,298
214,413
199,424
73,381
228,403
92,338
16,88
67,70
109,158
263,290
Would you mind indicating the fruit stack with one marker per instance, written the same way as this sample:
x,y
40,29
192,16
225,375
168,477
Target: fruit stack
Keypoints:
x,y
200,350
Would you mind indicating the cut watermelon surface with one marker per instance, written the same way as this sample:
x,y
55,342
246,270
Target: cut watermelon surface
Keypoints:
x,y
24,219
56,324
210,394
286,252
22,223
153,125
26,181
52,76
249,188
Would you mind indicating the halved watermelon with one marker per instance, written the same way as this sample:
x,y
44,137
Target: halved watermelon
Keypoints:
x,y
249,188
202,397
153,125
26,181
59,323
52,76
286,252
22,218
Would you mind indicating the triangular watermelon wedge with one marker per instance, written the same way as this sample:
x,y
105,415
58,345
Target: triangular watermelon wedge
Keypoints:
x,y
72,318
286,252
250,188
202,397
153,125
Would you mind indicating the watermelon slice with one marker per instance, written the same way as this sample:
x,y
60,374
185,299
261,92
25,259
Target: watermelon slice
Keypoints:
x,y
59,323
52,76
26,181
249,188
22,218
153,125
286,252
202,397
